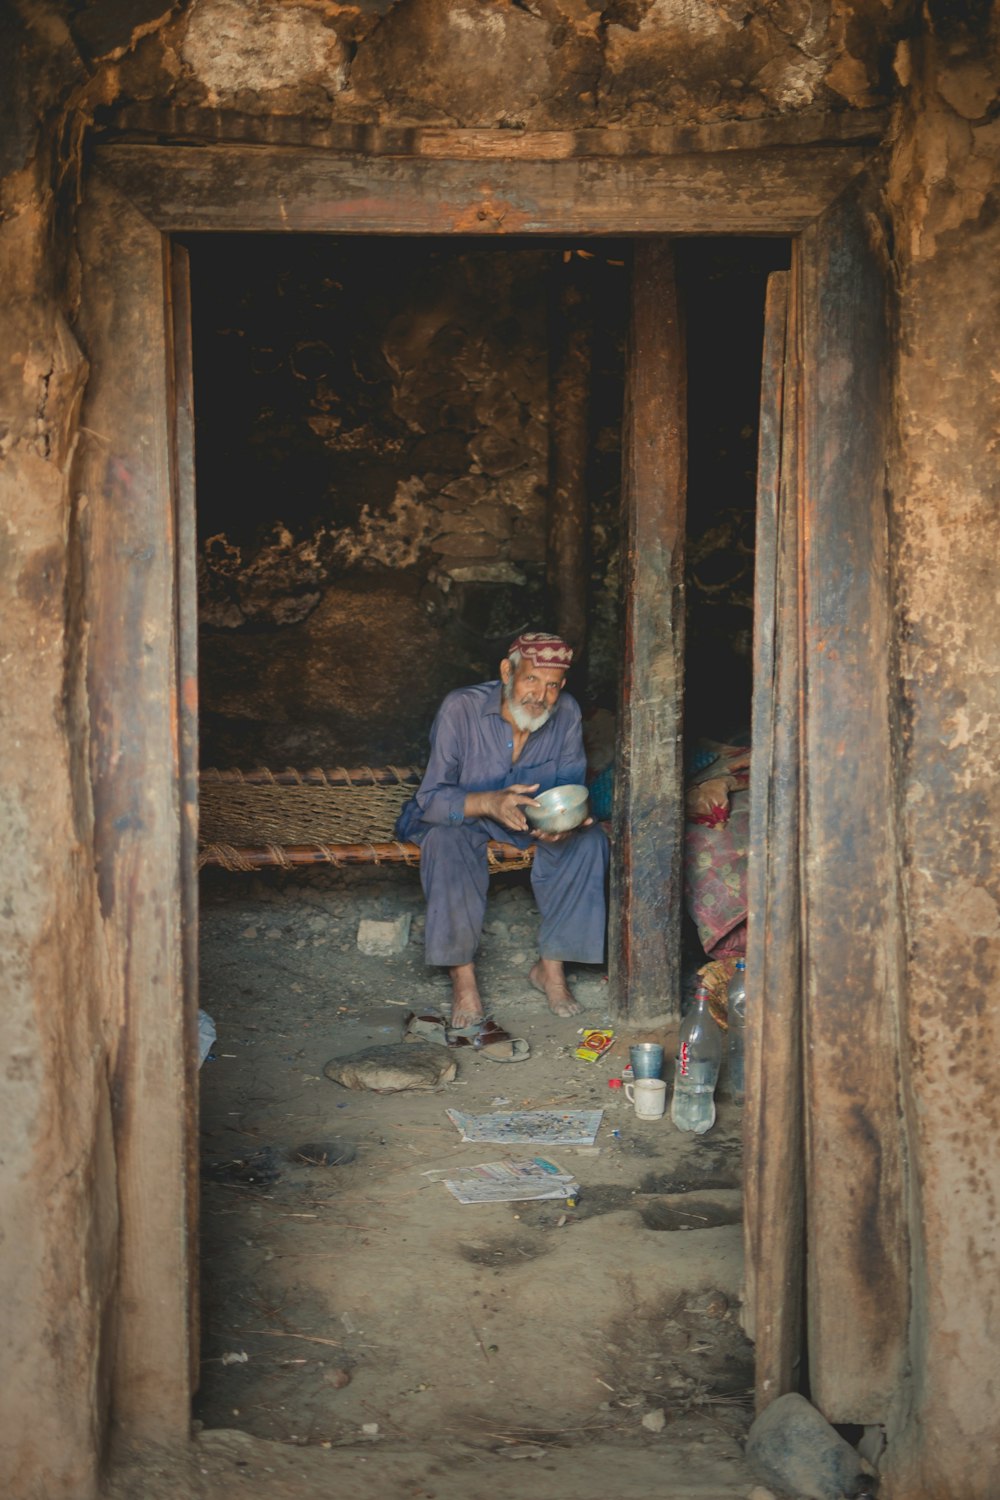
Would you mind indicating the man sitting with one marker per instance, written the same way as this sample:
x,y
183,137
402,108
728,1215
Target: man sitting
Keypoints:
x,y
493,746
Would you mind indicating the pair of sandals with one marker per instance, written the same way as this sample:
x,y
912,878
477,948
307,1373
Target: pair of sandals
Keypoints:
x,y
485,1036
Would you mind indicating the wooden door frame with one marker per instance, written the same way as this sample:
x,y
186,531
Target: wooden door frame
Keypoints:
x,y
757,178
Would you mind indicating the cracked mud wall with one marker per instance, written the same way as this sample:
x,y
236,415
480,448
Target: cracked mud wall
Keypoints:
x,y
945,196
58,1023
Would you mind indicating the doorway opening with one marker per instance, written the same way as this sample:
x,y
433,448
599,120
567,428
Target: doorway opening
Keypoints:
x,y
373,449
723,284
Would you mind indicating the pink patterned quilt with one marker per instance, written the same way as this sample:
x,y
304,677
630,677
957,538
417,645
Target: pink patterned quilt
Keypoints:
x,y
715,878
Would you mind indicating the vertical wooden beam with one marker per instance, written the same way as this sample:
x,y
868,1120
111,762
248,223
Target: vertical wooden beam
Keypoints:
x,y
571,354
648,819
129,551
774,1208
181,375
858,1258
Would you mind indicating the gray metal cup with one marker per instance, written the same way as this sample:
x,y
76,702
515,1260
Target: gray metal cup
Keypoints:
x,y
646,1059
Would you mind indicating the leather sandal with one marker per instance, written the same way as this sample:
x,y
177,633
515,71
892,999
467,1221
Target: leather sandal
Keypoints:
x,y
425,1026
499,1046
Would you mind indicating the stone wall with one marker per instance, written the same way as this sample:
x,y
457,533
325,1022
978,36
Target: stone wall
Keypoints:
x,y
506,65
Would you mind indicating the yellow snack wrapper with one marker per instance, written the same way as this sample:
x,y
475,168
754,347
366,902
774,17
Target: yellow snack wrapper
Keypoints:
x,y
593,1045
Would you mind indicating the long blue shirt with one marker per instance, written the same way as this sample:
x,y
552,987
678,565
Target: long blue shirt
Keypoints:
x,y
472,746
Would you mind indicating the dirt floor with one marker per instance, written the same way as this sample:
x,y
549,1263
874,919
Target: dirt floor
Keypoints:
x,y
373,1331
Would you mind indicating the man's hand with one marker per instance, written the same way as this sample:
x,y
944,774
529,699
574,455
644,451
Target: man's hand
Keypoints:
x,y
503,807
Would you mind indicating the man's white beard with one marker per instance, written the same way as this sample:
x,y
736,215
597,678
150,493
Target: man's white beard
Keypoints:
x,y
524,719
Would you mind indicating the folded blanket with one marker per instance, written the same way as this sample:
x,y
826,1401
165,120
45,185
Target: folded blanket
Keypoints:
x,y
715,874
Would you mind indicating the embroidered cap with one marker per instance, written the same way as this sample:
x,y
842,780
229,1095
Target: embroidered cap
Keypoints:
x,y
542,649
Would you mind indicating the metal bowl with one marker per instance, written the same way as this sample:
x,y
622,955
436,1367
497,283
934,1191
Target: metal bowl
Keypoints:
x,y
558,810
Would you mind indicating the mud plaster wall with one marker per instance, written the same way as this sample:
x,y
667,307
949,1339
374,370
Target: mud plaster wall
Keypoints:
x,y
945,193
468,63
58,1020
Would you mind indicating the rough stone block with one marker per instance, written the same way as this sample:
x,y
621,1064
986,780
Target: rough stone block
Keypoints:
x,y
795,1451
257,46
382,939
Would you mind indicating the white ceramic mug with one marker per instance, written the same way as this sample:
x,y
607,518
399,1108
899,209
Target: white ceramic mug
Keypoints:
x,y
648,1097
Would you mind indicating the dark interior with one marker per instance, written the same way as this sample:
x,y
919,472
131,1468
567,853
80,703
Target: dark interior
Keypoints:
x,y
372,461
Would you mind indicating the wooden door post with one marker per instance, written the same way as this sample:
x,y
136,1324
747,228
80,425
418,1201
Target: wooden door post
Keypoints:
x,y
125,474
647,874
856,1209
773,1147
571,344
181,375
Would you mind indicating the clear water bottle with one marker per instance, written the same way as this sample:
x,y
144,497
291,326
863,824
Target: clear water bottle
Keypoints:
x,y
696,1072
737,1015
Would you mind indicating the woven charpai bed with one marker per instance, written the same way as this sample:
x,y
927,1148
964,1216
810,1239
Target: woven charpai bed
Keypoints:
x,y
249,820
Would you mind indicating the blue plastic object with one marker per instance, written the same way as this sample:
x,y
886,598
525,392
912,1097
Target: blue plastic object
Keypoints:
x,y
602,791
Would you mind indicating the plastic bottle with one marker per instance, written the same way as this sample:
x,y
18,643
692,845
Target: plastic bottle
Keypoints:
x,y
696,1072
737,1014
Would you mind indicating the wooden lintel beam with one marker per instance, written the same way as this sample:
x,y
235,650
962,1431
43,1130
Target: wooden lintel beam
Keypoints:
x,y
264,188
176,125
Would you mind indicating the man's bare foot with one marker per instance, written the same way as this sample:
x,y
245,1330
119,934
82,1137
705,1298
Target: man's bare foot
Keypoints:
x,y
466,1005
547,976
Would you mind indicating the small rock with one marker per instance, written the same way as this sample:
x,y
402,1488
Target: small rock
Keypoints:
x,y
793,1448
337,1378
273,933
370,1429
382,939
389,1069
760,1493
654,1421
249,933
522,1450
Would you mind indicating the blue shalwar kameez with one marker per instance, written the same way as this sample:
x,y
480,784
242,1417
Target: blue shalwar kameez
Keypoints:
x,y
471,751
